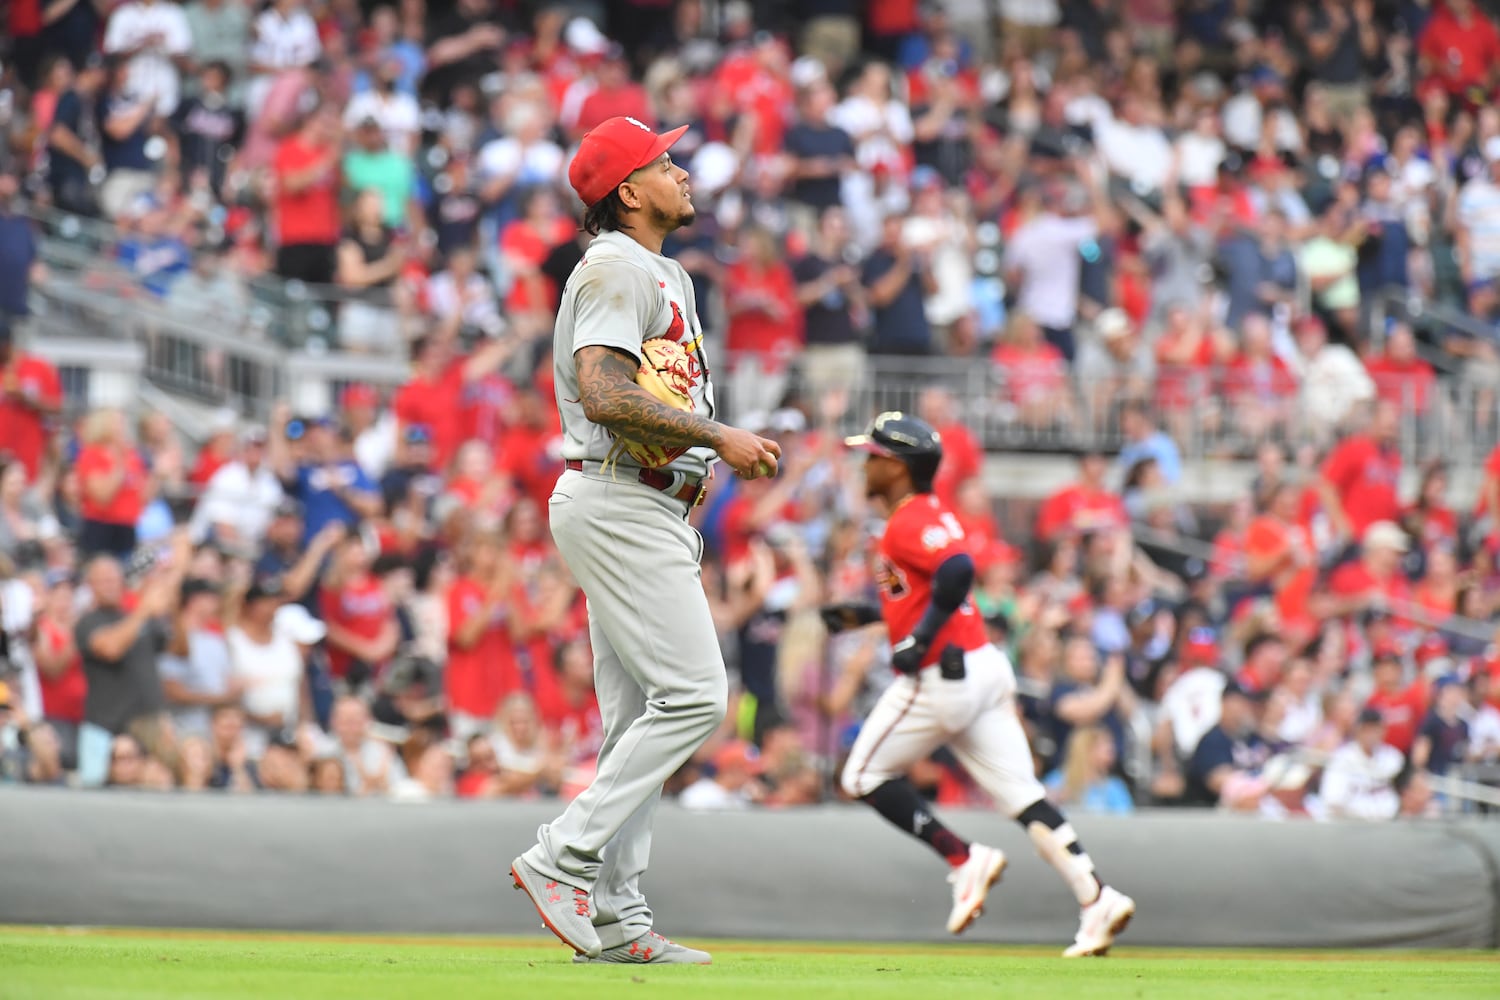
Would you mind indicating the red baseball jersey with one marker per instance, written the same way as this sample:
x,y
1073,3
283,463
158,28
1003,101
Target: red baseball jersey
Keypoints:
x,y
920,536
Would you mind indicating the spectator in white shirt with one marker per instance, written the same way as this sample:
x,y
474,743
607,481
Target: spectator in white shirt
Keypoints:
x,y
267,657
238,502
1135,148
1359,779
1043,261
461,298
879,125
1334,380
154,36
735,783
1200,152
397,114
371,766
1246,112
1478,229
286,38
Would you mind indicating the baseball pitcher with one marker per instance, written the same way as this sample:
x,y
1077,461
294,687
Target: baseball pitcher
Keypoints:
x,y
640,440
953,688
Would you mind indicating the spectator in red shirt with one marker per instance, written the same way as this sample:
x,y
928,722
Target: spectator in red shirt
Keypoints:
x,y
1280,556
1376,578
570,708
1403,705
1261,388
530,449
525,245
1487,506
363,632
615,95
1185,355
963,458
1359,479
1035,373
1400,376
482,667
59,667
218,451
1082,507
1460,48
435,395
765,321
305,208
113,485
30,395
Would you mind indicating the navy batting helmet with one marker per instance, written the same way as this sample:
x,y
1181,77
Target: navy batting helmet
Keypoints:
x,y
910,439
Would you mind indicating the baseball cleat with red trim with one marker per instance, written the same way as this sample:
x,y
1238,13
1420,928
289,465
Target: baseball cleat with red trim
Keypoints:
x,y
650,949
1100,922
565,909
971,882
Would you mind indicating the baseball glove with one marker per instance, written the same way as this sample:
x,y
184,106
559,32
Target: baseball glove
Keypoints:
x,y
668,373
848,615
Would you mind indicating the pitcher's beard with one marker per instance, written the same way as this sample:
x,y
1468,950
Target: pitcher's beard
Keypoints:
x,y
668,222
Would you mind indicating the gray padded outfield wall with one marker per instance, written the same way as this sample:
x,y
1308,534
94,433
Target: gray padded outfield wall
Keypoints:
x,y
832,873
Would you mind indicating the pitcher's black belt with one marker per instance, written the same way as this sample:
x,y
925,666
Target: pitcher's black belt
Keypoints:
x,y
691,492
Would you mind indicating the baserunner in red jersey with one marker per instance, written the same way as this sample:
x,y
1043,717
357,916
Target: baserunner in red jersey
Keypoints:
x,y
953,689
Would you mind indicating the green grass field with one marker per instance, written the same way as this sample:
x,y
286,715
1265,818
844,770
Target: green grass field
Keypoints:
x,y
55,964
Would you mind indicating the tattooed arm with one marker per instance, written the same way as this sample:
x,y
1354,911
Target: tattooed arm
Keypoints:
x,y
611,399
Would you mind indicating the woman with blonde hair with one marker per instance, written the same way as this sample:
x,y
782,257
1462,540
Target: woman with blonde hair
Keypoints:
x,y
113,485
1084,782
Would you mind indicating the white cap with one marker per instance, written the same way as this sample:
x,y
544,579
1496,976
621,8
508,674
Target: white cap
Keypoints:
x,y
714,167
583,35
1385,535
807,71
294,622
1111,324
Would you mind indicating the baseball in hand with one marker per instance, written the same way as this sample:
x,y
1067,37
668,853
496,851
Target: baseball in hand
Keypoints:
x,y
763,469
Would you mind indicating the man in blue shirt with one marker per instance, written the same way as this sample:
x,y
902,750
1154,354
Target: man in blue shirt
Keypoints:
x,y
1144,440
316,468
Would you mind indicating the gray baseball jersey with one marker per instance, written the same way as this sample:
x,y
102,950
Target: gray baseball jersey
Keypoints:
x,y
621,295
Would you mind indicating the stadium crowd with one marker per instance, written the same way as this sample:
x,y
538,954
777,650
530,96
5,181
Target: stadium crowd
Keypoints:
x,y
1177,215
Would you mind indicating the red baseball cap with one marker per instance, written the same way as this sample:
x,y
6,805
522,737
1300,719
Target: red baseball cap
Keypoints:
x,y
613,151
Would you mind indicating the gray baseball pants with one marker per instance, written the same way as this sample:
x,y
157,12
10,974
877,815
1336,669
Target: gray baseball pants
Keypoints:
x,y
659,675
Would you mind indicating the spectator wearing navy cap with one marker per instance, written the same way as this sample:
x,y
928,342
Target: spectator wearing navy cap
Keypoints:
x,y
1224,768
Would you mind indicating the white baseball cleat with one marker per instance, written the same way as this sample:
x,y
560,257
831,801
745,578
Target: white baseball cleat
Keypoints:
x,y
971,883
1100,921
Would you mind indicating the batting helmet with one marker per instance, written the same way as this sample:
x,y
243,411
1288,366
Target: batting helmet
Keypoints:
x,y
911,439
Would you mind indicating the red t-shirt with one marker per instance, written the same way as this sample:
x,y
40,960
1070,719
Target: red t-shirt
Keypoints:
x,y
765,97
1080,509
1407,385
752,330
1491,472
1461,53
312,214
578,724
1439,524
471,784
361,607
1032,374
63,697
529,245
1183,383
23,431
532,457
437,405
478,678
921,535
602,105
1353,579
1263,380
1403,711
1366,477
1267,537
129,500
962,460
